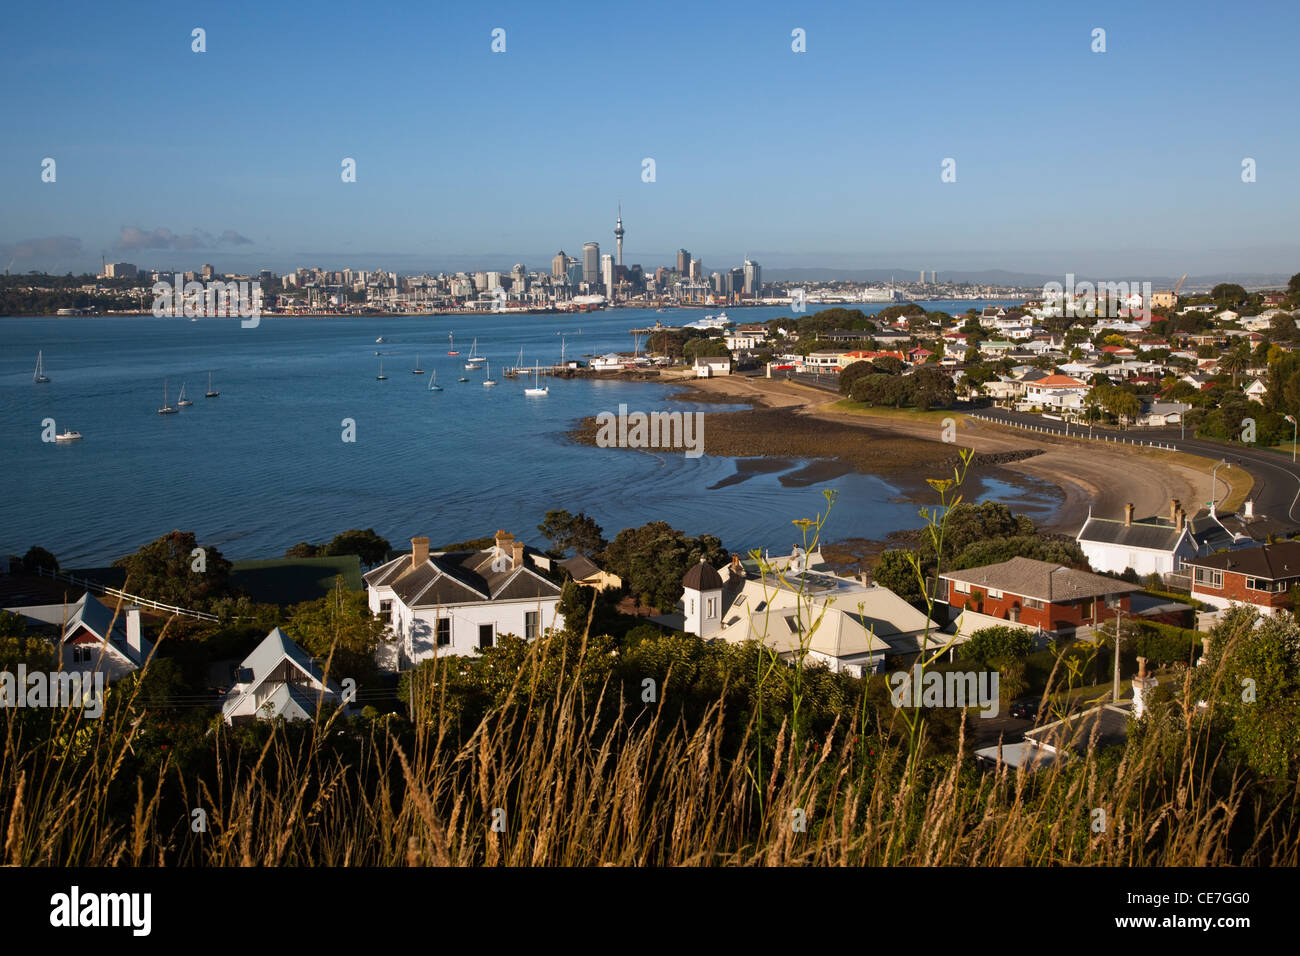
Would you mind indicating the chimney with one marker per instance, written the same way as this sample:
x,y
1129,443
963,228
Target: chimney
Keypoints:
x,y
133,636
419,552
1175,506
516,555
1128,515
864,576
502,541
1180,519
1250,508
1142,686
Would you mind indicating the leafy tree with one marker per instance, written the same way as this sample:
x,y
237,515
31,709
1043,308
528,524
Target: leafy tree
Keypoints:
x,y
39,558
568,532
887,365
851,373
168,570
995,550
340,620
991,646
368,546
304,549
653,558
894,572
1251,677
1228,294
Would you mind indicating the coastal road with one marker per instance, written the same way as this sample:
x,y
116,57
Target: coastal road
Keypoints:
x,y
1276,489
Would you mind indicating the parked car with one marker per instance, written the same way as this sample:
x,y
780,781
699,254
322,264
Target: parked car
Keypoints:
x,y
1025,709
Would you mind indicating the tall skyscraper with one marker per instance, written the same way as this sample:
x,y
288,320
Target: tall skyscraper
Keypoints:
x,y
607,274
618,233
753,278
923,275
591,262
933,277
559,265
683,262
697,269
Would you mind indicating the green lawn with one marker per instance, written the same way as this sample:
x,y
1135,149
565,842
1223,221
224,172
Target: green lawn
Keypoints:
x,y
910,414
294,580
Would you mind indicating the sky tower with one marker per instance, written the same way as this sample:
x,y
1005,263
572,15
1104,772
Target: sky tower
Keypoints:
x,y
618,235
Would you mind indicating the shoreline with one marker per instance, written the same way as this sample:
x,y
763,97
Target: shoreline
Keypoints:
x,y
789,421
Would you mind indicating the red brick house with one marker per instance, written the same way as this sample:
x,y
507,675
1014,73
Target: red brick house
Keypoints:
x,y
1261,577
1038,593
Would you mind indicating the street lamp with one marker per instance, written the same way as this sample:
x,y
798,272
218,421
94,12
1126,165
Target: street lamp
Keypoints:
x,y
1214,486
1294,432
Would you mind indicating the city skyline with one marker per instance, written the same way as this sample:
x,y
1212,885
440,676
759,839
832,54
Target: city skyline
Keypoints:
x,y
829,158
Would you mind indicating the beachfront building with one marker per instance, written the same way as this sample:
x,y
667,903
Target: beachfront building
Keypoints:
x,y
1148,547
1057,393
279,679
1261,577
798,607
458,602
1047,596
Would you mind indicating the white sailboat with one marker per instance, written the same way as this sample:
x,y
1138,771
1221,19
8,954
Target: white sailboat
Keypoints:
x,y
488,370
417,370
181,400
210,393
433,382
167,409
537,388
451,344
39,376
381,376
472,360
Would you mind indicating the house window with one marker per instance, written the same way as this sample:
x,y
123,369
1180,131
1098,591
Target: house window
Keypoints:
x,y
484,636
961,587
530,624
80,653
1034,604
444,631
1209,577
711,609
386,611
692,610
995,594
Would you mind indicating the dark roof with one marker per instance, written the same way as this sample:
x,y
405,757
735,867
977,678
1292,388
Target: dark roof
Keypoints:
x,y
580,566
1140,534
1271,561
461,577
702,578
1042,580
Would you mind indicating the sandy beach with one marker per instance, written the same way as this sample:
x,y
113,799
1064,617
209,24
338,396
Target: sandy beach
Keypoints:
x,y
1104,477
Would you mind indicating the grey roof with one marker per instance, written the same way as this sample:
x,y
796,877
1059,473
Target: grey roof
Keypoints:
x,y
1041,580
1272,561
580,566
460,577
95,617
1139,534
275,659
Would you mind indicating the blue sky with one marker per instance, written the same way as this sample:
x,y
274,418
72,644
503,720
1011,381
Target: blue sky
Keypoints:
x,y
1114,163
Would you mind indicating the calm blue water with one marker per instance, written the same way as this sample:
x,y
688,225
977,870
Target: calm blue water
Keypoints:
x,y
264,465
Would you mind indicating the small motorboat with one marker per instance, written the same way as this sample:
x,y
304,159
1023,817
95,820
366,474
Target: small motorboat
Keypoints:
x,y
68,436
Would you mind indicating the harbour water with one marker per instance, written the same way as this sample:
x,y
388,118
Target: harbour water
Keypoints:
x,y
265,465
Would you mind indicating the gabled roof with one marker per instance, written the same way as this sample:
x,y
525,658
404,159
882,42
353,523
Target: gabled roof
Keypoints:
x,y
450,578
272,660
1149,537
1060,381
95,617
1271,561
1041,580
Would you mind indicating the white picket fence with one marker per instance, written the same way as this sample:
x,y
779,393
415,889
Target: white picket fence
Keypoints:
x,y
90,585
1078,433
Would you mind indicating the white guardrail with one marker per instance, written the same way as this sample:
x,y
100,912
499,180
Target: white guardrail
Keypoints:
x,y
1113,439
90,585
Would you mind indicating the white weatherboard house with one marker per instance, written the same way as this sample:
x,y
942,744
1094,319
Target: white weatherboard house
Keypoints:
x,y
457,602
94,639
860,624
279,679
1150,546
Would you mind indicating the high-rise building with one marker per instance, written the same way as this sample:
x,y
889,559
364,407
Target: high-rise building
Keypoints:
x,y
120,270
716,280
207,271
922,275
607,274
618,233
753,278
591,262
697,269
559,265
575,273
683,262
934,277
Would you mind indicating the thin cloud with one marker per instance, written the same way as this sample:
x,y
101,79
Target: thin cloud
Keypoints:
x,y
133,239
49,247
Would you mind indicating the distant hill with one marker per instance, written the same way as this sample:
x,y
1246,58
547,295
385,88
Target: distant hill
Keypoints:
x,y
1257,280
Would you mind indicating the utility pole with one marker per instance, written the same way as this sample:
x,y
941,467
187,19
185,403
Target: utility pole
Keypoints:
x,y
1114,695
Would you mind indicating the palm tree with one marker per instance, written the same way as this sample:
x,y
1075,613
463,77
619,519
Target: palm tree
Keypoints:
x,y
1236,360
